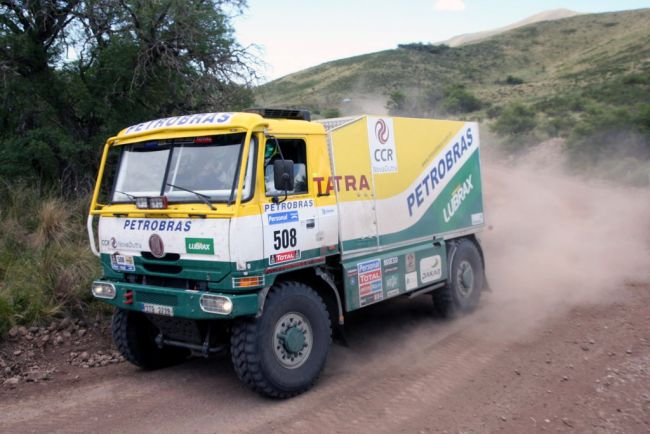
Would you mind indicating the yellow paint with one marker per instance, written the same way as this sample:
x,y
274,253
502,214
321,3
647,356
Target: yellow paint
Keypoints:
x,y
414,141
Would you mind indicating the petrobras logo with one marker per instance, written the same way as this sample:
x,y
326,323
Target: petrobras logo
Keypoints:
x,y
197,119
283,217
167,225
288,205
443,166
381,131
381,137
457,198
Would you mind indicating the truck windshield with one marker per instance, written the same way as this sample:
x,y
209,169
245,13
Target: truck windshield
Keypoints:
x,y
180,168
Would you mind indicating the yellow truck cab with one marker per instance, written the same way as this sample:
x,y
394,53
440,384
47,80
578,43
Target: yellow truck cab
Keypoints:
x,y
259,231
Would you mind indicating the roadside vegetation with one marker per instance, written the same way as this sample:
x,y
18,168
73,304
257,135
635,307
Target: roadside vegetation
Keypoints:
x,y
72,73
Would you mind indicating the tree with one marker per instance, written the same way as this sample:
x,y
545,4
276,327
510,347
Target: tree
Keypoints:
x,y
74,72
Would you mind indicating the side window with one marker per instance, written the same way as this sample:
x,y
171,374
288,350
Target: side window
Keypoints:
x,y
291,149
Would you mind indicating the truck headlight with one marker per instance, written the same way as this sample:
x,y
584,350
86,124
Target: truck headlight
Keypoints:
x,y
104,290
216,304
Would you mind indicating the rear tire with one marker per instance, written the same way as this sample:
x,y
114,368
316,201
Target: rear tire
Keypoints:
x,y
465,284
281,353
134,335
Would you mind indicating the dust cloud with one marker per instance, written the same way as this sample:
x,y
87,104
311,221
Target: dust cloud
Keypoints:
x,y
556,240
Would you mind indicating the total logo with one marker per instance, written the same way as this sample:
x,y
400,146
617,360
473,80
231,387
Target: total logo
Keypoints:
x,y
458,196
283,257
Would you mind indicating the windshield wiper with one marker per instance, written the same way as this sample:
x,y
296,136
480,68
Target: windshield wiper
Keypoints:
x,y
205,199
130,196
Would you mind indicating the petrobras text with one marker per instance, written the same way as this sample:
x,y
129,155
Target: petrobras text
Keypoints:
x,y
287,206
437,171
197,119
157,225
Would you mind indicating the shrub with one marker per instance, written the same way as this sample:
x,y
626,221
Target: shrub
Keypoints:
x,y
512,80
459,100
515,120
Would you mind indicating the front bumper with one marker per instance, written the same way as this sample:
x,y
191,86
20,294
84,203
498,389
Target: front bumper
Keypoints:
x,y
183,303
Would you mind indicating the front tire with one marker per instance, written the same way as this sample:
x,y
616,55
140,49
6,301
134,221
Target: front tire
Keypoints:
x,y
134,336
466,279
281,353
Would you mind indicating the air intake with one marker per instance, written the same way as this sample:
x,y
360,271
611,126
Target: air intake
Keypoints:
x,y
269,113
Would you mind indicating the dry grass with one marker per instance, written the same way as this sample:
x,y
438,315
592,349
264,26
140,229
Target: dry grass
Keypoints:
x,y
45,264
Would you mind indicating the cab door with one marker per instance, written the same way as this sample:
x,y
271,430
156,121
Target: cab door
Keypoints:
x,y
290,221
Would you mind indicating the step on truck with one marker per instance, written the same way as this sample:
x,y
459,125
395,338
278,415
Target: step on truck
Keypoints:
x,y
256,233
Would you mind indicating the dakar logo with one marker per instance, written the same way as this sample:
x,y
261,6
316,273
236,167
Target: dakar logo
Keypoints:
x,y
381,131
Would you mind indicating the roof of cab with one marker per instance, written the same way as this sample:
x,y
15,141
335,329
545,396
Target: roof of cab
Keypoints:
x,y
206,123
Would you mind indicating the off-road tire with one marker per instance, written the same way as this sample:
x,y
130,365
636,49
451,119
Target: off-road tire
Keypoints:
x,y
134,336
252,342
455,297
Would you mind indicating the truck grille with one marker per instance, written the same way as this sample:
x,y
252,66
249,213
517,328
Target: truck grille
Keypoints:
x,y
155,298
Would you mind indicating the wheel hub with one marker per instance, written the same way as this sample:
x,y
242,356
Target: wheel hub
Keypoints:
x,y
465,279
292,340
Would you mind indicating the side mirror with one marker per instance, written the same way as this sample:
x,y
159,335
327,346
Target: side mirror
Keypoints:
x,y
283,175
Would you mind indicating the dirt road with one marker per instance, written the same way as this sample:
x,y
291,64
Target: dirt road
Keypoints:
x,y
561,344
585,370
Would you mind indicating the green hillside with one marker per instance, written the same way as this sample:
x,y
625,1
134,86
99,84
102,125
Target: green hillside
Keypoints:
x,y
551,58
580,77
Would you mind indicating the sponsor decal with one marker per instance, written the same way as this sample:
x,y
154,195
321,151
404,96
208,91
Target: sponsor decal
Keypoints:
x,y
411,281
393,269
283,257
391,261
381,138
430,269
457,198
392,293
157,225
477,219
443,165
340,183
283,217
156,246
286,206
392,282
122,263
410,262
370,282
197,119
199,246
327,211
116,244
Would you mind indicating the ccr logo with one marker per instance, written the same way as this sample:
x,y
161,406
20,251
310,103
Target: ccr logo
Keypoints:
x,y
381,131
113,242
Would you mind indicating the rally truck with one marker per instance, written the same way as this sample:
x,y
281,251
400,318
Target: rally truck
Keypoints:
x,y
256,233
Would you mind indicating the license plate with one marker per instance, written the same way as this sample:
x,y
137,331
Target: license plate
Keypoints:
x,y
157,309
122,263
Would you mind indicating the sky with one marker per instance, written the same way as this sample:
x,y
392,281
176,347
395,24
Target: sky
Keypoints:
x,y
294,35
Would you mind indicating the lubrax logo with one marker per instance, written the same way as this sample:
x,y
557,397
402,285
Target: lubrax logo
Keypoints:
x,y
457,197
199,246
